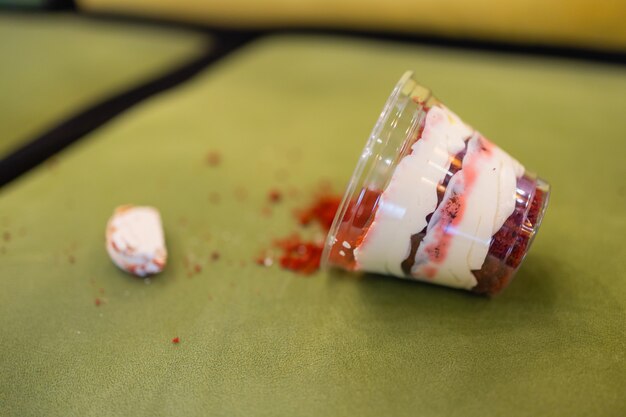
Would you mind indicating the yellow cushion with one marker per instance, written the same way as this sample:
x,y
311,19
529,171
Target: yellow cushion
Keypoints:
x,y
580,23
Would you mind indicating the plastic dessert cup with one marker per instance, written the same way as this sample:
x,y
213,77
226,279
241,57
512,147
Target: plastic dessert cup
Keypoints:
x,y
432,200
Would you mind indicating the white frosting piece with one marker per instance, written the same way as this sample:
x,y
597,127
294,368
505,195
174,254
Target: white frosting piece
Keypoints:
x,y
412,193
485,189
135,241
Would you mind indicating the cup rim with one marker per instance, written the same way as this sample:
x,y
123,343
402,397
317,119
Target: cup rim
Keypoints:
x,y
366,154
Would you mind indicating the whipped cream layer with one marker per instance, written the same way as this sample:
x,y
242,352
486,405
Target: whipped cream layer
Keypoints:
x,y
477,201
135,241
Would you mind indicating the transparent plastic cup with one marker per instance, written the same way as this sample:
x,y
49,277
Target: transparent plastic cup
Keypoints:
x,y
431,199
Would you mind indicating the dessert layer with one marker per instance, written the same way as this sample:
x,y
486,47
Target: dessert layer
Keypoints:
x,y
447,238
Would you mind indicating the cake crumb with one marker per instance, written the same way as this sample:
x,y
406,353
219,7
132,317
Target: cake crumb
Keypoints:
x,y
274,196
176,340
213,158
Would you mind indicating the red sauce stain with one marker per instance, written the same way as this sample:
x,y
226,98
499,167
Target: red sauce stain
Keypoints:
x,y
98,302
197,268
213,158
176,340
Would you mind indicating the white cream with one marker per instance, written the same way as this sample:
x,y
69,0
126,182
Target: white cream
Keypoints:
x,y
411,194
135,241
488,201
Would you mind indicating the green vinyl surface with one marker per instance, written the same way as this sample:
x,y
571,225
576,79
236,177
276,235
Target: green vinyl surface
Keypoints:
x,y
286,113
56,64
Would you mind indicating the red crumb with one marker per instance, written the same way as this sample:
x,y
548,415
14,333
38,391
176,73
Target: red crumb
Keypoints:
x,y
264,260
299,256
197,268
213,158
98,302
6,236
274,196
215,256
322,210
176,340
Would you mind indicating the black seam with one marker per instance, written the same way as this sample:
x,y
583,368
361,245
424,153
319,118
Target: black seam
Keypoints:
x,y
72,129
